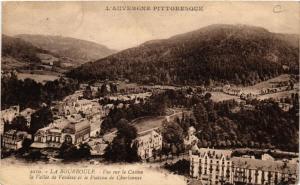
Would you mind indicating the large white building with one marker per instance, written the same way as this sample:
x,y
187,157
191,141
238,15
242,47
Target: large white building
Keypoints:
x,y
147,143
212,166
72,130
50,136
73,104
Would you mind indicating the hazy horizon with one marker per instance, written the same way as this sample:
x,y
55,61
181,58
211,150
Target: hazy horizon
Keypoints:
x,y
125,29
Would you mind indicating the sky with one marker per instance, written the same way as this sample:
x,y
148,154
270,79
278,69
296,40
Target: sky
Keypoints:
x,y
124,29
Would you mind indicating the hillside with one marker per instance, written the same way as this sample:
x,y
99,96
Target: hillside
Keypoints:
x,y
237,54
20,49
17,53
24,57
80,51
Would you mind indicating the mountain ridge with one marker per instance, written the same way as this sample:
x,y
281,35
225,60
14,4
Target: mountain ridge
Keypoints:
x,y
73,48
233,53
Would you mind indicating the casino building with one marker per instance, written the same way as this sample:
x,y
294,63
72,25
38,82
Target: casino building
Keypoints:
x,y
74,131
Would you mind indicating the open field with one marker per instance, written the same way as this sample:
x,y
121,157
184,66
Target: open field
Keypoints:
x,y
123,85
147,123
37,77
220,96
255,89
9,63
277,95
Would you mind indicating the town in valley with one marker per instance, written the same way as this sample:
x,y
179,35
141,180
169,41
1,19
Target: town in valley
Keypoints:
x,y
218,105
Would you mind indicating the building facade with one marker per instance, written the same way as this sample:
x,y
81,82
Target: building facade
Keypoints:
x,y
147,143
73,131
256,171
212,166
47,137
13,139
95,122
76,132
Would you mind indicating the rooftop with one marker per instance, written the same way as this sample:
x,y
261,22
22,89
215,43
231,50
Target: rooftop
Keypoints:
x,y
78,126
27,111
265,165
75,118
143,133
216,153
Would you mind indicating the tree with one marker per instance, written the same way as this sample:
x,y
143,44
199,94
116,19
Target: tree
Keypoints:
x,y
87,93
209,105
68,151
19,123
123,148
181,167
126,131
200,114
26,144
84,151
41,118
105,89
207,96
34,155
172,133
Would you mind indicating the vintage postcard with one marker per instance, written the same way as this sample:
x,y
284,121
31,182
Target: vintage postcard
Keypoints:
x,y
150,93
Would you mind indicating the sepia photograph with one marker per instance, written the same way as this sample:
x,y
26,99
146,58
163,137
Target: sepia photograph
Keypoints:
x,y
149,93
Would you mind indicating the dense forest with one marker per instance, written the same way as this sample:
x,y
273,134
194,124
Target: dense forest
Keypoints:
x,y
29,93
226,53
265,125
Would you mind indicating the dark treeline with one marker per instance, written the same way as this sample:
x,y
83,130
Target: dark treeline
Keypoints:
x,y
69,152
29,93
223,53
181,167
265,125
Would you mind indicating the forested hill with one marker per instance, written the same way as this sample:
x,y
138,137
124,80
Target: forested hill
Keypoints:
x,y
234,53
80,51
20,50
